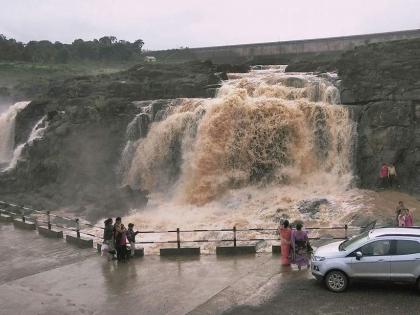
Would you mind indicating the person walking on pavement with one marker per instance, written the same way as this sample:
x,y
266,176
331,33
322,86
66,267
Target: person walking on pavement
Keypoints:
x,y
400,208
301,247
131,238
108,243
285,233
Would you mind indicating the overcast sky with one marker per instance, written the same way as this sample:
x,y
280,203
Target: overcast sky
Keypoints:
x,y
192,23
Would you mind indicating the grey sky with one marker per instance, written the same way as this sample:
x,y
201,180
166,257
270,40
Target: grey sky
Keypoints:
x,y
174,23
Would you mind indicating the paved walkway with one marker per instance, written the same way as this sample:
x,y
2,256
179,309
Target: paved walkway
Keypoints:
x,y
44,276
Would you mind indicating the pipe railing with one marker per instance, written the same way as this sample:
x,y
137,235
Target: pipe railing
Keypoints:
x,y
78,229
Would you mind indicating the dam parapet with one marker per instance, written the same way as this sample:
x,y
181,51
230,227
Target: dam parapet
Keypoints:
x,y
282,51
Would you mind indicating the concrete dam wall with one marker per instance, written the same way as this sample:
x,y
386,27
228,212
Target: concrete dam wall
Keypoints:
x,y
249,52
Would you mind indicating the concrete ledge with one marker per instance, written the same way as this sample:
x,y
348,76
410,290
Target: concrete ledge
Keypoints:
x,y
238,250
139,252
186,251
79,242
24,225
49,233
5,218
276,249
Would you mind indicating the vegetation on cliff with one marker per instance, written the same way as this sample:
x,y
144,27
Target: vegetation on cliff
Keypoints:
x,y
107,48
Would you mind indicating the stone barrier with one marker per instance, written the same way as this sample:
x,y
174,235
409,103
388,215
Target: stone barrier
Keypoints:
x,y
138,252
276,249
238,250
6,218
44,231
185,251
24,224
79,242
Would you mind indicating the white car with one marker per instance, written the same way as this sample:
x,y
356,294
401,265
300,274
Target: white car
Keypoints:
x,y
381,254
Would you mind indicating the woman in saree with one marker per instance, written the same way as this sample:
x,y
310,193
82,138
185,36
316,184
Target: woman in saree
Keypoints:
x,y
301,247
285,233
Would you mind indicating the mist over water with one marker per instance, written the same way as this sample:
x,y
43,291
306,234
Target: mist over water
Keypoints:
x,y
268,141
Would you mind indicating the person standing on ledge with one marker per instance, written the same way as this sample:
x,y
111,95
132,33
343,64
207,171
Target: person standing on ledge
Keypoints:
x,y
392,175
383,175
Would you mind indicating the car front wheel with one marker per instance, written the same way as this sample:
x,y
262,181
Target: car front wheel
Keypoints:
x,y
336,281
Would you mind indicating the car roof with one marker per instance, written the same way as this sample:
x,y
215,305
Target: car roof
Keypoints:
x,y
413,231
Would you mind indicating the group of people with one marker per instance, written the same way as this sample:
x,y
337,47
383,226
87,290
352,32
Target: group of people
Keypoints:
x,y
116,238
388,175
404,217
295,246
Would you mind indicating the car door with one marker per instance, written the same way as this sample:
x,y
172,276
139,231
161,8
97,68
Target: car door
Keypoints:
x,y
405,260
375,262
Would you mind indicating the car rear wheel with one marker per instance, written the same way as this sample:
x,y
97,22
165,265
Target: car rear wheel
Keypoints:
x,y
418,284
336,281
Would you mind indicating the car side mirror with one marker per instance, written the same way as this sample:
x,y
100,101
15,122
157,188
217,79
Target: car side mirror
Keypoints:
x,y
359,255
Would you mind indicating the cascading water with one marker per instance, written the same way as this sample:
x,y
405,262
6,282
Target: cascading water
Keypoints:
x,y
7,131
37,132
267,142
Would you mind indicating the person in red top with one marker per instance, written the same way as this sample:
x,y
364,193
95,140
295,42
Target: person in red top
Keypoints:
x,y
383,175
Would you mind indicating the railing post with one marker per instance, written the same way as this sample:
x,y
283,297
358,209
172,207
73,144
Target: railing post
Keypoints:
x,y
23,213
178,238
234,236
49,220
77,228
345,231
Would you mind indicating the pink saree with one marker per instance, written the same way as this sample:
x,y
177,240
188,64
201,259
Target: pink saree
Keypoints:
x,y
285,242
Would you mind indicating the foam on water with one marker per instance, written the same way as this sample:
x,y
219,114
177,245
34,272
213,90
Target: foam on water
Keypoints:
x,y
269,140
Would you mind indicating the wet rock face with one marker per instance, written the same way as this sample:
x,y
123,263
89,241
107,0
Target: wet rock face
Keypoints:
x,y
75,163
312,206
381,82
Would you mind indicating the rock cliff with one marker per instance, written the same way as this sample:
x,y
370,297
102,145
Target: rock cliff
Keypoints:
x,y
381,84
74,164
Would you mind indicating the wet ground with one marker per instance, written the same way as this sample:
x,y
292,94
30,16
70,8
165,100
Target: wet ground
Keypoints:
x,y
43,276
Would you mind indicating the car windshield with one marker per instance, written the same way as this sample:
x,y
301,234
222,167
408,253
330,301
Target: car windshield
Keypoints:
x,y
358,239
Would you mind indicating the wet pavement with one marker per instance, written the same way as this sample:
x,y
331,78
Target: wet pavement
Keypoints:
x,y
44,276
24,253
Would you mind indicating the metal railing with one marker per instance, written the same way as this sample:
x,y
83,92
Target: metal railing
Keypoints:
x,y
79,227
30,214
235,239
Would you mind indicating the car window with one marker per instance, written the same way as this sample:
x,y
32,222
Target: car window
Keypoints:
x,y
407,247
377,248
355,240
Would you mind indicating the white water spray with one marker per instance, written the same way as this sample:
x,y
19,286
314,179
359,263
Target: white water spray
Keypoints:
x,y
7,131
37,132
269,140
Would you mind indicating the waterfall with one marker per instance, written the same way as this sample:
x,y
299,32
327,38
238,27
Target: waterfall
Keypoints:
x,y
7,131
37,132
265,127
